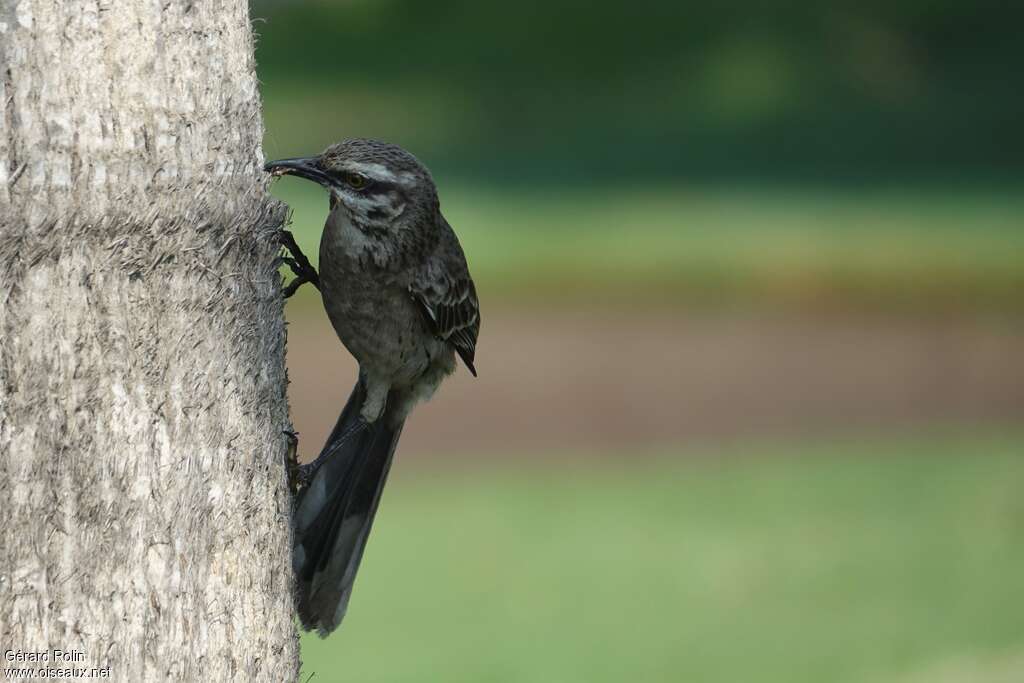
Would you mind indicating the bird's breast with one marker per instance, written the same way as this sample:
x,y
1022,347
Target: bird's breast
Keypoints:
x,y
372,312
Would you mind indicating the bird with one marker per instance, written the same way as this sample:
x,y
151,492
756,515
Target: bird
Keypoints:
x,y
396,287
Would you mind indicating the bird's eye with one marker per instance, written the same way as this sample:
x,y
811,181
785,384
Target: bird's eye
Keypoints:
x,y
355,181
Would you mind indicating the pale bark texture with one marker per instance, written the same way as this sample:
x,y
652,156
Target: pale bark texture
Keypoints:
x,y
145,511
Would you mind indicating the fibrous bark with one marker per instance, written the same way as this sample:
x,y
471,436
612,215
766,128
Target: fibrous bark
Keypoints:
x,y
142,406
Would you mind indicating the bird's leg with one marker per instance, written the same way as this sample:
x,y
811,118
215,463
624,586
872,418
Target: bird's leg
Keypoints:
x,y
305,473
292,461
300,475
298,263
372,410
299,279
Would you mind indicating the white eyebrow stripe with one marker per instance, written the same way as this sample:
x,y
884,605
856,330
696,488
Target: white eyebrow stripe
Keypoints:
x,y
375,171
383,173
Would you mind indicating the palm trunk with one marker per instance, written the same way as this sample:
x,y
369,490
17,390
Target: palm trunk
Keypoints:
x,y
145,517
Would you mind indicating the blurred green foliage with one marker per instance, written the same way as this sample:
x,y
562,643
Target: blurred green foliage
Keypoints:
x,y
848,562
534,91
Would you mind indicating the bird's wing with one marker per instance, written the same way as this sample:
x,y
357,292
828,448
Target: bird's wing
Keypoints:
x,y
452,311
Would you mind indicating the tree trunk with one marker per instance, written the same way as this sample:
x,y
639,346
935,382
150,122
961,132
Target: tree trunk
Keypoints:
x,y
142,407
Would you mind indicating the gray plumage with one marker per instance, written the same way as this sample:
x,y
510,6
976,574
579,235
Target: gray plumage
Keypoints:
x,y
397,290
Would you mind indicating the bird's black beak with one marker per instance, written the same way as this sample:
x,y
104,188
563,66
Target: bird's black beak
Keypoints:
x,y
308,168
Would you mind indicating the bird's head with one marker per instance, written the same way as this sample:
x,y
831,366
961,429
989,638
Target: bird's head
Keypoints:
x,y
379,186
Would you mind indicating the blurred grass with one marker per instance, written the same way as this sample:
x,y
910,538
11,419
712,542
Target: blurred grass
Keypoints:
x,y
720,247
870,561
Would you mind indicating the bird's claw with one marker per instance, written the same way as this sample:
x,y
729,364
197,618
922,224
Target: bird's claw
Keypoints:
x,y
293,287
292,462
304,474
298,263
300,475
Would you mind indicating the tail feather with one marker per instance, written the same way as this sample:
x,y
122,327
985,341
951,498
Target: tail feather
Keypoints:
x,y
334,514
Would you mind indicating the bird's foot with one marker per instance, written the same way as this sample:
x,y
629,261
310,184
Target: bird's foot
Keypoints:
x,y
292,466
300,278
298,263
304,473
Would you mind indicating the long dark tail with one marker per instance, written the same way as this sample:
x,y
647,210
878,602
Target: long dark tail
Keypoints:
x,y
333,515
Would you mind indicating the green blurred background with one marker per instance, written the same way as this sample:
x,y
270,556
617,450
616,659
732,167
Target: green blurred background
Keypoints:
x,y
751,392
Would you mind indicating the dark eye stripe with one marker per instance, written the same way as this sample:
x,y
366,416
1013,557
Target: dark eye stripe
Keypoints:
x,y
377,187
370,185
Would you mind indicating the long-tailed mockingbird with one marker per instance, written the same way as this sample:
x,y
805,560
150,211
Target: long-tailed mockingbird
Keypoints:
x,y
397,289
